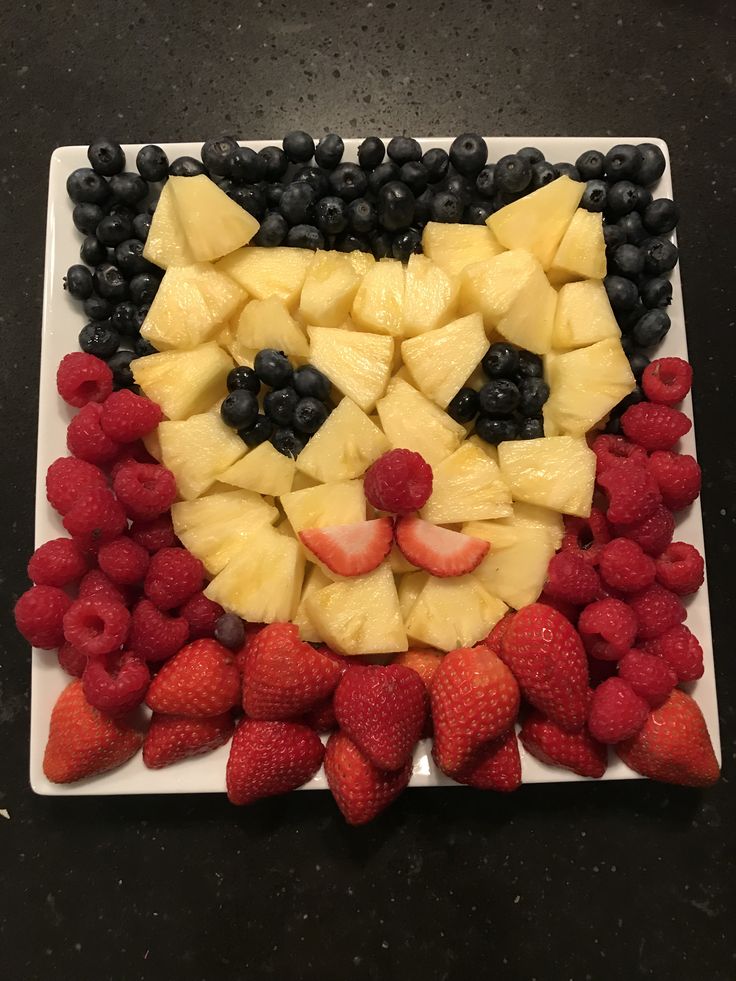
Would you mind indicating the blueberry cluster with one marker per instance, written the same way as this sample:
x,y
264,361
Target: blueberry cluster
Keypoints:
x,y
294,408
509,405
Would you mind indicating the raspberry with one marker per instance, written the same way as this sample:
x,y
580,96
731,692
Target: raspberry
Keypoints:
x,y
656,609
680,648
145,490
201,614
599,671
67,478
155,534
610,450
130,453
85,438
116,685
173,576
653,533
681,568
678,477
127,417
95,518
569,610
625,566
616,712
586,536
608,629
571,578
399,482
96,584
154,635
83,378
39,615
123,561
71,660
651,677
57,563
96,626
655,427
667,380
632,493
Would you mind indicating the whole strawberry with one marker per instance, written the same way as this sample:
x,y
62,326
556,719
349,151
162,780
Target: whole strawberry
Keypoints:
x,y
270,758
548,742
201,680
496,766
171,738
360,789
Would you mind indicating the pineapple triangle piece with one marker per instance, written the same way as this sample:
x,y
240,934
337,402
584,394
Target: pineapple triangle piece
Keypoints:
x,y
196,450
361,261
582,251
412,422
344,446
430,296
314,581
263,470
583,315
184,383
442,359
360,615
453,247
515,568
467,485
212,222
326,504
556,472
329,289
378,304
531,318
490,287
357,364
533,517
264,272
410,586
268,323
452,613
166,244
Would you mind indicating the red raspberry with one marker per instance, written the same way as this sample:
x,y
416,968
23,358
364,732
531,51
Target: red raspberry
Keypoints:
x,y
667,380
631,491
681,568
39,615
155,534
145,490
96,584
123,561
85,438
608,629
96,626
599,671
651,677
653,534
679,647
586,536
656,609
94,519
71,660
67,478
610,450
678,477
655,427
569,610
116,684
201,614
154,635
57,563
616,712
173,576
571,578
130,453
83,378
625,566
399,482
127,417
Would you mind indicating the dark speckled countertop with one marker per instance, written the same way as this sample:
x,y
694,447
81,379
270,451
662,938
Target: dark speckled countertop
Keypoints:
x,y
576,882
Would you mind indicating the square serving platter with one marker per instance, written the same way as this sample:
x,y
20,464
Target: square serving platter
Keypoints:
x,y
62,321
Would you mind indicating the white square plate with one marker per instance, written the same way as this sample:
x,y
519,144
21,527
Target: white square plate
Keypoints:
x,y
61,325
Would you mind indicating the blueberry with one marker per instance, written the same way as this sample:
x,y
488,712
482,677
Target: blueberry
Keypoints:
x,y
119,365
661,216
464,407
591,165
628,319
272,193
328,152
446,207
395,206
530,366
331,215
622,293
128,187
514,173
279,405
461,187
495,431
384,172
414,174
243,379
305,237
152,163
485,181
614,235
629,345
276,162
298,146
239,409
309,382
313,176
568,170
143,288
633,398
348,181
402,149
216,155
258,433
124,318
142,226
98,308
309,414
627,260
643,198
85,186
361,216
477,214
652,164
349,242
129,258
151,206
250,198
652,328
621,198
381,245
613,426
423,207
229,631
637,362
632,228
660,255
501,360
534,393
87,216
106,157
530,429
273,368
622,162
100,338
297,203
594,196
405,243
371,152
287,442
110,282
499,397
186,167
246,166
143,348
437,163
468,153
543,173
273,230
531,153
78,282
656,292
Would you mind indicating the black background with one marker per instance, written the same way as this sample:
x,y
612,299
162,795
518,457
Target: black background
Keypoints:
x,y
571,882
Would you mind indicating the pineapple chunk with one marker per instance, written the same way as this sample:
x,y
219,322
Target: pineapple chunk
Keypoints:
x,y
582,251
344,446
531,516
360,615
399,564
263,272
453,247
264,470
583,315
430,296
361,261
325,504
329,289
314,581
153,444
263,582
268,323
586,384
488,448
556,472
191,305
538,221
467,486
411,421
515,568
492,286
212,222
302,482
379,302
531,318
358,364
410,586
184,382
442,359
196,450
166,244
452,613
225,337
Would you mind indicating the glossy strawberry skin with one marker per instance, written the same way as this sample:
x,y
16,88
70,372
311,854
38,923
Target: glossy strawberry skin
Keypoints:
x,y
201,680
270,758
360,789
550,743
171,738
496,766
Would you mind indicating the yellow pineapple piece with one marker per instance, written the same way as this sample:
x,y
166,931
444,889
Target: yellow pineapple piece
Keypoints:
x,y
212,222
556,472
225,337
442,359
326,504
488,448
329,289
583,315
268,323
361,261
491,287
399,564
452,613
166,244
314,580
302,481
582,252
453,247
196,450
153,444
358,364
411,421
515,568
410,586
467,485
537,519
184,383
344,446
430,296
264,470
379,302
531,318
263,272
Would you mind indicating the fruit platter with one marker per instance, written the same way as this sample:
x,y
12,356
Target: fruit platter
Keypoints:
x,y
365,464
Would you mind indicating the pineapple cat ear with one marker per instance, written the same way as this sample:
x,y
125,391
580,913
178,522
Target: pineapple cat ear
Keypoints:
x,y
441,360
357,363
454,247
329,289
184,382
214,225
556,472
379,302
430,297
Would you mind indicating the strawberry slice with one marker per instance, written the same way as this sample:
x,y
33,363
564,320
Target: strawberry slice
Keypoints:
x,y
439,551
351,550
